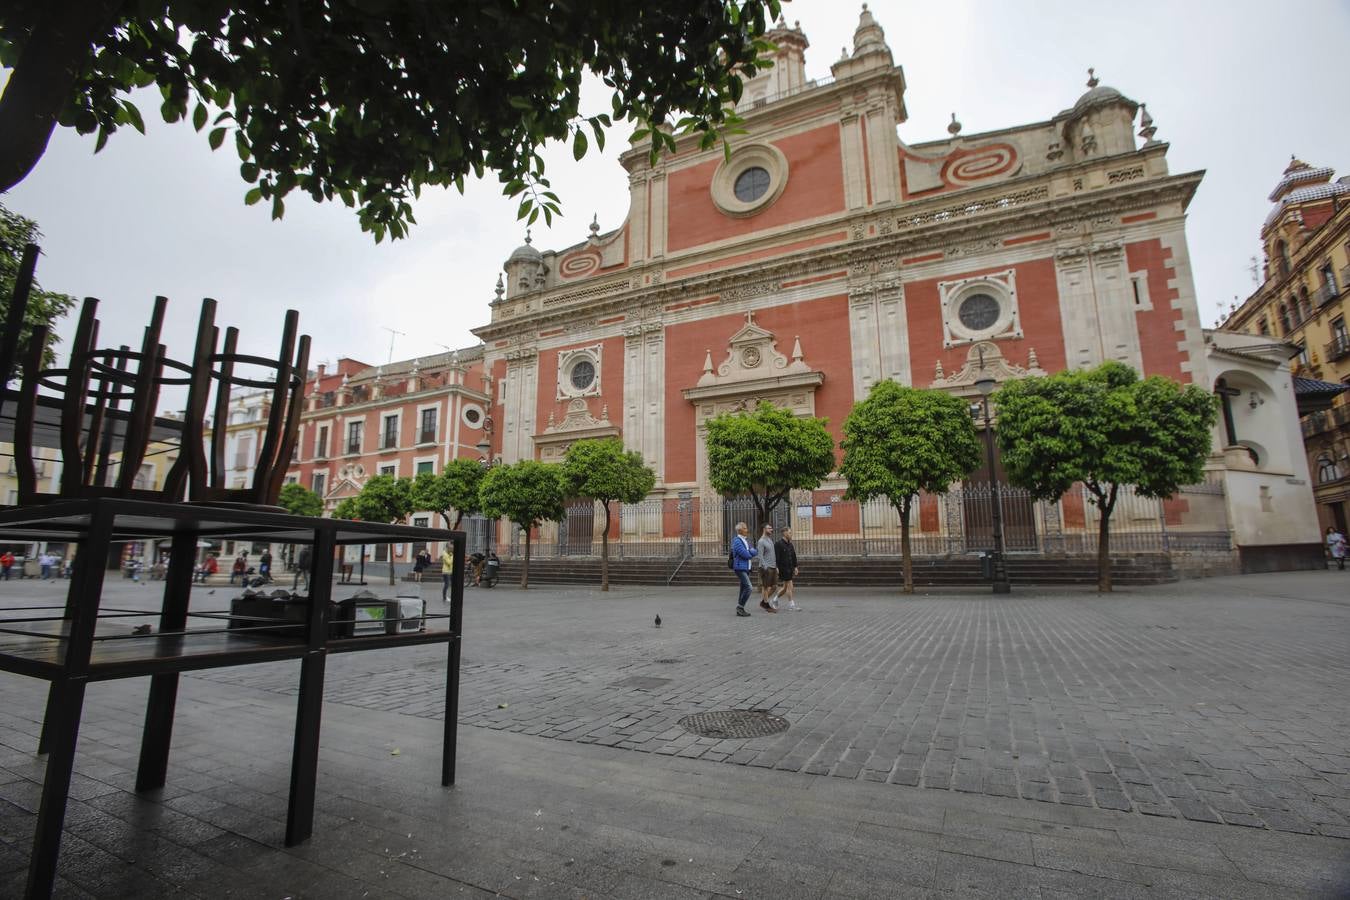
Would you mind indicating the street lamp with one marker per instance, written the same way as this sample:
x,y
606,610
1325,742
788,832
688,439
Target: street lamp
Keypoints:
x,y
484,448
986,386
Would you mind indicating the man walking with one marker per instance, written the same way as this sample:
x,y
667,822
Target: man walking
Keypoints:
x,y
768,569
447,570
303,560
741,554
785,554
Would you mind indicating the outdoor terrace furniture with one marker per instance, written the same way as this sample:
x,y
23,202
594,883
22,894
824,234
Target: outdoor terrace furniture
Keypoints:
x,y
99,410
85,641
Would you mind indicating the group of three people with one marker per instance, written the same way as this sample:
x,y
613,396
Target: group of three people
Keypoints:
x,y
777,568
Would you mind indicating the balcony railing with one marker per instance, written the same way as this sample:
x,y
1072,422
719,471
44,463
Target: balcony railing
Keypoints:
x,y
427,437
353,448
1326,293
1338,349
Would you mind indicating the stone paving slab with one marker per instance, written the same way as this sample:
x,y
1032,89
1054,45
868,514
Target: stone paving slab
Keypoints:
x,y
1181,741
1218,701
534,817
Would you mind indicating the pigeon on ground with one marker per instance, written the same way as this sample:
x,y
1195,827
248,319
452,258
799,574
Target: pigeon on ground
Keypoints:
x,y
658,620
141,629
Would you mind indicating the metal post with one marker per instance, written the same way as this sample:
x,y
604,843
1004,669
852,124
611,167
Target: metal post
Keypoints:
x,y
1001,585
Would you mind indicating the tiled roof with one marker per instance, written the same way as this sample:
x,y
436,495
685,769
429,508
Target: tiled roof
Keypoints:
x,y
1311,386
1305,194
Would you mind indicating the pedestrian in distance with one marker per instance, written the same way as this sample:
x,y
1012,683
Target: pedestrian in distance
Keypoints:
x,y
768,570
303,560
45,564
447,569
421,563
741,554
1336,546
785,554
265,565
6,564
238,569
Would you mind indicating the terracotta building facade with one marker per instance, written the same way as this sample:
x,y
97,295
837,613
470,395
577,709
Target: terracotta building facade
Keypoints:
x,y
1301,302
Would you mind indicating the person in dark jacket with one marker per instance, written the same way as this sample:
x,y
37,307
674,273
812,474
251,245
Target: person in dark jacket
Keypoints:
x,y
786,554
742,551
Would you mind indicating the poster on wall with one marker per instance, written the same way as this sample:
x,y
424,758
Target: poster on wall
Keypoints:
x,y
804,512
351,553
824,511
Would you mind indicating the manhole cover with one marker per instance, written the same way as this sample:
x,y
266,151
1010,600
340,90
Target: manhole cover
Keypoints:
x,y
734,723
668,662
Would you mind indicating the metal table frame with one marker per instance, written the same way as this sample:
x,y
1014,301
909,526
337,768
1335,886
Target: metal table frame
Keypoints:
x,y
96,524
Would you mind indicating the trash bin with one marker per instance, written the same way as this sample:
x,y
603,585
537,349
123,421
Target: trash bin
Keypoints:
x,y
30,567
987,566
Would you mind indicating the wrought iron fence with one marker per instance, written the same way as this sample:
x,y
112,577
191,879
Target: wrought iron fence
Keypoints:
x,y
824,524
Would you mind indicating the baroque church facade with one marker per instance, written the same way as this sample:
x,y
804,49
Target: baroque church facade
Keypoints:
x,y
828,253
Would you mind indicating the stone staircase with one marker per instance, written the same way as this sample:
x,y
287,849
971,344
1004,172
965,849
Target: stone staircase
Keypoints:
x,y
1138,569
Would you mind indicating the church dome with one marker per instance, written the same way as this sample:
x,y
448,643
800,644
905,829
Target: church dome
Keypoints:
x,y
1099,94
524,253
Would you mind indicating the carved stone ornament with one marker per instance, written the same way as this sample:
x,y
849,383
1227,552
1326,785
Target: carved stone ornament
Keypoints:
x,y
579,372
752,353
985,359
754,370
578,424
981,308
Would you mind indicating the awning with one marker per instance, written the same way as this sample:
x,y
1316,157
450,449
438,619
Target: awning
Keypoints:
x,y
1313,395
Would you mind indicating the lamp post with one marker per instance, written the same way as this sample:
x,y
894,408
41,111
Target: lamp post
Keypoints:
x,y
986,385
484,448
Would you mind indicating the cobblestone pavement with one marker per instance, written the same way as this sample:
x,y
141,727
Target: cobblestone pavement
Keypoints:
x,y
1217,701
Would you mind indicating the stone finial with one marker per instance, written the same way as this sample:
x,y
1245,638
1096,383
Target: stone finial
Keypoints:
x,y
1032,361
1093,80
707,362
1146,127
938,374
843,53
604,412
552,421
527,236
595,225
501,289
796,348
955,127
869,35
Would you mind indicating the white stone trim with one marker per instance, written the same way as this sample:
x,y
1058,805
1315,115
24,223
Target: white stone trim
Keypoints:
x,y
440,424
1002,286
568,360
418,460
758,155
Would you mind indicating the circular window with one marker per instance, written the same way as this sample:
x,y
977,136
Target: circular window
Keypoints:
x,y
979,312
751,184
472,415
583,374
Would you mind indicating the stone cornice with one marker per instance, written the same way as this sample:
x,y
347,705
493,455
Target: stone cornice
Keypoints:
x,y
904,238
365,406
754,387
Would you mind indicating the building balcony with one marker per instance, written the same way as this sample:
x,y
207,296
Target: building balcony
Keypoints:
x,y
1338,349
353,449
1325,294
427,437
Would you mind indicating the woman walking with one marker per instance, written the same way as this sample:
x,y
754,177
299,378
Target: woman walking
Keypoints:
x,y
1336,546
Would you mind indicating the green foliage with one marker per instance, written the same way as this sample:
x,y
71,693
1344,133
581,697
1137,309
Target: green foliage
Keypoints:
x,y
1106,428
384,498
299,500
602,470
370,101
456,488
1103,427
527,493
346,509
900,441
44,307
767,453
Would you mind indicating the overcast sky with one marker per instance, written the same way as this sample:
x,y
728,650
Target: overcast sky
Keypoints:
x,y
1235,87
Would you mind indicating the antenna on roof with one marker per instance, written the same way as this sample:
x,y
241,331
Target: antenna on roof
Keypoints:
x,y
392,335
1253,269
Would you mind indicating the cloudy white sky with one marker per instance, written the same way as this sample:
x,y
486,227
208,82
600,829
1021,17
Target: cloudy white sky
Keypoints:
x,y
1235,87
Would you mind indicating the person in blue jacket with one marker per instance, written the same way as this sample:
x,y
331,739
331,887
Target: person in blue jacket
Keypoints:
x,y
743,551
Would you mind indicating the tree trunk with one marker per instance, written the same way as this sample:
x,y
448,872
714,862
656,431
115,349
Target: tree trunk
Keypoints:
x,y
1104,541
525,569
43,79
905,554
604,553
391,564
459,517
